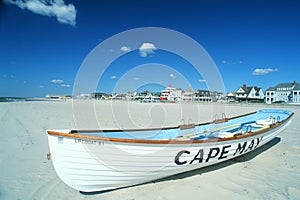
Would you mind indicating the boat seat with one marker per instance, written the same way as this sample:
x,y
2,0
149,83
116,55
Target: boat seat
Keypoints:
x,y
223,134
266,122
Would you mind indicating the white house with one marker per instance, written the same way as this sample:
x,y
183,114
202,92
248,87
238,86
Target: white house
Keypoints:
x,y
171,94
203,96
57,97
250,94
187,96
231,97
284,92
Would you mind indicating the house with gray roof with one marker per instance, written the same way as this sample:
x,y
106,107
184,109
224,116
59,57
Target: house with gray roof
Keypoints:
x,y
283,93
251,93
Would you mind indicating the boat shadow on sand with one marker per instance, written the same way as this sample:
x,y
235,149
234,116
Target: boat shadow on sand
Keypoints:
x,y
240,159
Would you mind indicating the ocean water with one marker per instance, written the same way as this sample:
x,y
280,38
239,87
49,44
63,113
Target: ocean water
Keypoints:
x,y
22,99
12,99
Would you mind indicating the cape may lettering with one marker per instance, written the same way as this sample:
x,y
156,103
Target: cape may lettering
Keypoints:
x,y
216,152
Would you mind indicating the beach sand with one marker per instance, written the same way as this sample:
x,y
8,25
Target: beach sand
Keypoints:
x,y
270,172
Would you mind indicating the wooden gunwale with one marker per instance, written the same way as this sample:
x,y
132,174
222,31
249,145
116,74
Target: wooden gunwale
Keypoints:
x,y
156,129
171,141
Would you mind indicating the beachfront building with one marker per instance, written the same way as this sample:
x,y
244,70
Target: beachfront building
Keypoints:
x,y
252,93
116,96
130,96
217,96
208,96
100,96
284,93
144,96
231,97
83,96
52,96
57,97
187,96
170,94
203,96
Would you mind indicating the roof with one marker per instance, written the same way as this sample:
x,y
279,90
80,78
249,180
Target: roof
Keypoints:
x,y
257,90
231,94
284,85
297,86
248,90
271,89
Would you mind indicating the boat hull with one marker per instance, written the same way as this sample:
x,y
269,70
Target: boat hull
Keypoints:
x,y
90,164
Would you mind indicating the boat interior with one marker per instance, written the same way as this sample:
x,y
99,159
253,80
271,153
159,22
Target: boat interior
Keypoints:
x,y
250,123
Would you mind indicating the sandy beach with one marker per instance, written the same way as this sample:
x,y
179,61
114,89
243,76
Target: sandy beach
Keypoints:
x,y
270,172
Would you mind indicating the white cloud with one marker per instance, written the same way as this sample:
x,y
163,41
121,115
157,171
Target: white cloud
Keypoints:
x,y
172,76
41,86
114,77
147,49
202,80
261,71
232,62
224,61
57,81
8,76
136,78
65,85
125,49
65,14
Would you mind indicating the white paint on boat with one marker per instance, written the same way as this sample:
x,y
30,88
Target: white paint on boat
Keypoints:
x,y
87,161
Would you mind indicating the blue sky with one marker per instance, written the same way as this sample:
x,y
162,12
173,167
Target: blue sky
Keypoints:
x,y
44,43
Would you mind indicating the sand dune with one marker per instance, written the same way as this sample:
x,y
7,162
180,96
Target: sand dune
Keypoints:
x,y
271,172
